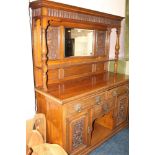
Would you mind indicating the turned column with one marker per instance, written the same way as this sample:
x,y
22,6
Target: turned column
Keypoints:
x,y
44,25
117,47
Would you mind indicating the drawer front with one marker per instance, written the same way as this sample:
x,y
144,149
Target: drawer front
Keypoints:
x,y
82,104
117,91
78,105
100,103
105,107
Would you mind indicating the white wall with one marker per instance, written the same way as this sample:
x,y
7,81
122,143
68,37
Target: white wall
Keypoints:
x,y
116,7
16,75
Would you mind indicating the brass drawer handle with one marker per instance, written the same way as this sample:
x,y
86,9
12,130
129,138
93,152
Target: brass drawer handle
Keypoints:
x,y
78,108
98,100
105,107
114,93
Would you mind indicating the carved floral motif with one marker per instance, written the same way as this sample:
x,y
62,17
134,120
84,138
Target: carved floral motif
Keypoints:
x,y
77,16
100,43
77,135
53,42
80,16
121,111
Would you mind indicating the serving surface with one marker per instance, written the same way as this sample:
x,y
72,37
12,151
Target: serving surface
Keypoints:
x,y
82,86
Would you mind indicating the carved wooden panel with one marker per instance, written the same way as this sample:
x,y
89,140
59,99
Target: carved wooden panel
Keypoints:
x,y
81,17
100,43
74,13
78,134
53,42
122,103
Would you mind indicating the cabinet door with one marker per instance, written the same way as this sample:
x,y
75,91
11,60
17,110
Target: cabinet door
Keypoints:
x,y
78,131
122,109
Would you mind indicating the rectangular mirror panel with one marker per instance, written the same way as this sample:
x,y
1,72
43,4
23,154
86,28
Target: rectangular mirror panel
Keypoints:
x,y
79,42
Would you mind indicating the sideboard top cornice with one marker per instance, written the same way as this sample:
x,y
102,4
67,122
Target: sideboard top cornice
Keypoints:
x,y
60,6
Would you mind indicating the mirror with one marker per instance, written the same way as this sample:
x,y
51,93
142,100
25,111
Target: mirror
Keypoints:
x,y
78,42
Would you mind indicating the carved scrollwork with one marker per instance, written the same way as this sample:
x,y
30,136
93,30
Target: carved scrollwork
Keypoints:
x,y
77,135
82,17
121,111
52,42
100,43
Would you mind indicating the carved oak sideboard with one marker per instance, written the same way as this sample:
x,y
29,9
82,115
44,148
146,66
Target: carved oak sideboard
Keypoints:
x,y
83,102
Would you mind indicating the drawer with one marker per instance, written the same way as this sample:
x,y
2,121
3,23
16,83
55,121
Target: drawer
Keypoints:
x,y
105,107
79,105
118,91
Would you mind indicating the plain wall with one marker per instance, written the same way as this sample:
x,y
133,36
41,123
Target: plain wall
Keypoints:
x,y
116,7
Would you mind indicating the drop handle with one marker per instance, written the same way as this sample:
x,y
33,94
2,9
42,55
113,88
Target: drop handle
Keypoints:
x,y
98,100
114,93
105,107
78,108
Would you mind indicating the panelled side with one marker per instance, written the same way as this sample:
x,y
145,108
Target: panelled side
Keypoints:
x,y
54,118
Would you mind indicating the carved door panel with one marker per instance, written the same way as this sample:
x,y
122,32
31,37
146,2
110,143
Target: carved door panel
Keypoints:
x,y
78,131
122,109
